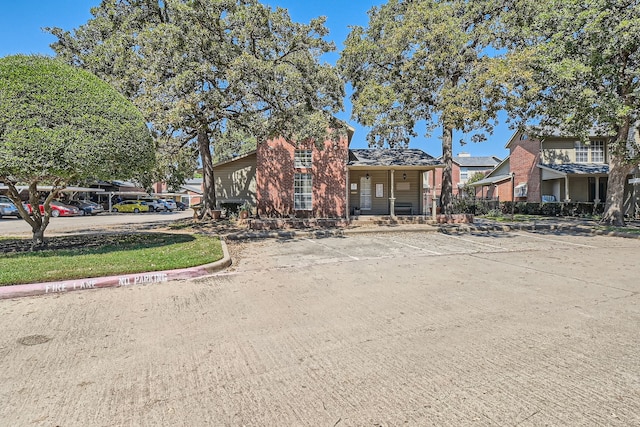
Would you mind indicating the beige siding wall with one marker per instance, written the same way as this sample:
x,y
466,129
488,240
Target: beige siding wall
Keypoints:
x,y
412,193
579,189
379,205
236,180
558,151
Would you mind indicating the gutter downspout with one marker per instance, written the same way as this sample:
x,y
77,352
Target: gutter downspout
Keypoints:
x,y
347,192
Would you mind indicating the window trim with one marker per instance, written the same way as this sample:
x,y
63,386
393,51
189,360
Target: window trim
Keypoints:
x,y
586,153
596,147
582,152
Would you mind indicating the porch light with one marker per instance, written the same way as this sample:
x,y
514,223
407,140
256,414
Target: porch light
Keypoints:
x,y
367,175
404,176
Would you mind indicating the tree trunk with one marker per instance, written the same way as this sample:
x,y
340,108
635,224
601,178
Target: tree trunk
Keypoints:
x,y
37,239
614,207
619,169
208,183
446,193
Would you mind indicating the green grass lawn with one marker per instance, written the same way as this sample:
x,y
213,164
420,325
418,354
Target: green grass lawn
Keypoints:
x,y
628,230
77,257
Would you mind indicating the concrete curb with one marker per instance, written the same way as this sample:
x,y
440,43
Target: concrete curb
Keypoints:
x,y
47,288
583,229
290,234
435,228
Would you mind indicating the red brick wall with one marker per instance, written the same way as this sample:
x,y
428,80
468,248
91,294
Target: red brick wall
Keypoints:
x,y
523,161
275,175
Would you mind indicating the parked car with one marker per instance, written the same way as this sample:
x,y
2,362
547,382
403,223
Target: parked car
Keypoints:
x,y
181,206
134,206
8,208
169,204
155,205
57,209
86,207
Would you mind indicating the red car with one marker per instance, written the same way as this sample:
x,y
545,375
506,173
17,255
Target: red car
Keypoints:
x,y
58,209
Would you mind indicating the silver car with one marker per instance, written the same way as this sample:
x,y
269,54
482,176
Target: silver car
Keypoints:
x,y
8,208
169,204
155,205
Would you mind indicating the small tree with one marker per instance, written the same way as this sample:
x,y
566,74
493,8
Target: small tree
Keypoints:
x,y
469,190
60,125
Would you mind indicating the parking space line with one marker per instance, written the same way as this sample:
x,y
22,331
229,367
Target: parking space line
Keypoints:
x,y
414,247
473,241
333,249
554,240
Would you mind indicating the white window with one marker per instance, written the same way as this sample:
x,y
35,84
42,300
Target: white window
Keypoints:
x,y
597,151
592,153
303,192
582,152
303,159
464,174
365,193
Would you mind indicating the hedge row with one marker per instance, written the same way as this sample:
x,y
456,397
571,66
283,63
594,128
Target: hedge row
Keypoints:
x,y
481,207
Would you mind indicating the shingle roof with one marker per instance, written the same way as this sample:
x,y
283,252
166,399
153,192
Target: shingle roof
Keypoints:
x,y
391,157
491,180
476,162
579,168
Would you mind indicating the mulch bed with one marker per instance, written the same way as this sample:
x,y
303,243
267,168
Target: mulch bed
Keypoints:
x,y
11,246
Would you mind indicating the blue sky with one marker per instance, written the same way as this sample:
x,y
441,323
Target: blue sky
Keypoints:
x,y
21,23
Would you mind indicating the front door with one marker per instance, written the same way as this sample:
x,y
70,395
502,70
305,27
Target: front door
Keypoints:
x,y
365,193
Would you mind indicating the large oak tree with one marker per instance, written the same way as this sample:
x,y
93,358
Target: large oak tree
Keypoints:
x,y
61,125
583,59
198,68
425,61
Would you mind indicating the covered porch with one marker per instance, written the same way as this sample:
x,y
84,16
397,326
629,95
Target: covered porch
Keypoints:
x,y
389,182
574,182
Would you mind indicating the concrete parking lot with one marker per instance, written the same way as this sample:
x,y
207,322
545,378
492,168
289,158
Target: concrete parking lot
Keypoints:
x,y
371,329
10,226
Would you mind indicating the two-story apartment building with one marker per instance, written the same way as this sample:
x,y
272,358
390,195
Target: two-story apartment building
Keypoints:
x,y
553,168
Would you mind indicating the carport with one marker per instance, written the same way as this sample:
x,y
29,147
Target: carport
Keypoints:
x,y
47,188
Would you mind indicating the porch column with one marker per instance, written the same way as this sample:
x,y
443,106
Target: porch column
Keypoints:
x,y
597,198
567,198
392,199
